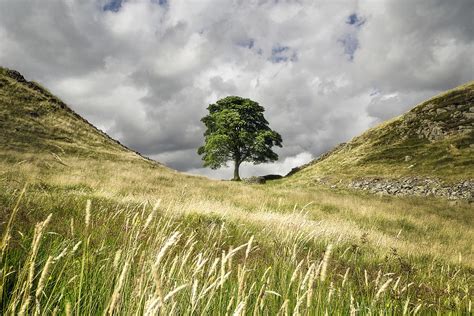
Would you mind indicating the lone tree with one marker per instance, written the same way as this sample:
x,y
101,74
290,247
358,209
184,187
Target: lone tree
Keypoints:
x,y
237,131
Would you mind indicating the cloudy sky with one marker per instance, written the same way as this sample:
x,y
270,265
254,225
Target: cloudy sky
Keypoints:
x,y
145,70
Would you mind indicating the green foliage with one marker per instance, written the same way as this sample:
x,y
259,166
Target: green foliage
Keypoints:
x,y
237,131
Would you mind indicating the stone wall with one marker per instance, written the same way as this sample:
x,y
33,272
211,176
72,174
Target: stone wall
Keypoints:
x,y
417,186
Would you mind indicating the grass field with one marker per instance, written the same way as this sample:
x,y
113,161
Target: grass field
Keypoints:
x,y
152,239
89,228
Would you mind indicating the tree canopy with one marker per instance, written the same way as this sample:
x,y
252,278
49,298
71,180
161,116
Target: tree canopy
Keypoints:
x,y
237,131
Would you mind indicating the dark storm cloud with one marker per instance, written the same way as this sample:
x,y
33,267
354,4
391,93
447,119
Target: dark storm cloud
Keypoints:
x,y
145,70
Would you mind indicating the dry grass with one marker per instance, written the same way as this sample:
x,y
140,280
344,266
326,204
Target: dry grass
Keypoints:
x,y
153,240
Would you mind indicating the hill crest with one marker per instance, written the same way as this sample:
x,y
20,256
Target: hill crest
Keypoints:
x,y
35,120
434,140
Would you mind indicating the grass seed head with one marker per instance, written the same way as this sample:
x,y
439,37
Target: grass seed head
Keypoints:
x,y
325,263
88,213
383,288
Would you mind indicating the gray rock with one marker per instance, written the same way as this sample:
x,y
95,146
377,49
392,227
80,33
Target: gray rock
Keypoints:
x,y
16,75
429,107
255,180
417,186
469,115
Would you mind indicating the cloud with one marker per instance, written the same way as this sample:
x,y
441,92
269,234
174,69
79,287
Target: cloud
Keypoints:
x,y
145,70
385,106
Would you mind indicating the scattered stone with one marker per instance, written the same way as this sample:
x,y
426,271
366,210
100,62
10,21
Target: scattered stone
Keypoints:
x,y
429,107
417,186
469,115
408,158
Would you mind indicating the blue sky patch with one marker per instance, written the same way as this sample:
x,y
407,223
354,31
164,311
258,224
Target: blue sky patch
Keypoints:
x,y
278,49
163,3
115,5
355,20
282,53
350,44
349,41
246,43
112,5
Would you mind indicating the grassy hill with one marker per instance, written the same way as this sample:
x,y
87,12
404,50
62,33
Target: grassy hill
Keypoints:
x,y
90,227
36,122
434,139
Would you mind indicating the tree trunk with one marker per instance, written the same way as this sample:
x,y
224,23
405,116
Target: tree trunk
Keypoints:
x,y
236,171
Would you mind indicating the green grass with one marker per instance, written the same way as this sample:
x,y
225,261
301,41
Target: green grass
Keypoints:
x,y
414,239
273,271
154,240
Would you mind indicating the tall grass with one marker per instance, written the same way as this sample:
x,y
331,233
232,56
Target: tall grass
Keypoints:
x,y
154,260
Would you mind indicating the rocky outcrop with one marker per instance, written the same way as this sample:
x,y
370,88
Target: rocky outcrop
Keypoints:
x,y
32,85
417,186
16,75
435,121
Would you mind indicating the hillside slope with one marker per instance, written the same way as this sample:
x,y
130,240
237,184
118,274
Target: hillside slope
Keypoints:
x,y
35,122
434,139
